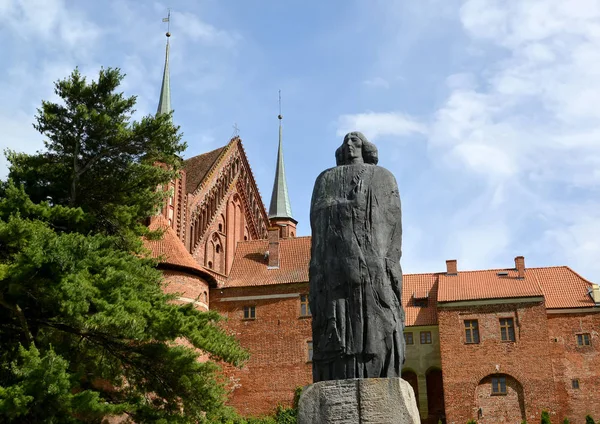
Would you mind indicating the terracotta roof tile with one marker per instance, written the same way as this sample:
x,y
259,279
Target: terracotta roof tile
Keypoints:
x,y
487,284
423,285
170,248
250,269
249,266
563,287
197,167
560,286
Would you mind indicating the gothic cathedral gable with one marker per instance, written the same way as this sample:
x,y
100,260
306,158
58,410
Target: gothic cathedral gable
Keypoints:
x,y
223,206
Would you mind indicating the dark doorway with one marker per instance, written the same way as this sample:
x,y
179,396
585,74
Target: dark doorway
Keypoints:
x,y
411,377
435,395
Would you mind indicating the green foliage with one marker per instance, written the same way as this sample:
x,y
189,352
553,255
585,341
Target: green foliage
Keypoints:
x,y
283,415
524,422
471,421
96,158
566,421
545,417
86,329
589,420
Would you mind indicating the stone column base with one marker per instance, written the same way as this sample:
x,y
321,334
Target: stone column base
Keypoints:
x,y
359,401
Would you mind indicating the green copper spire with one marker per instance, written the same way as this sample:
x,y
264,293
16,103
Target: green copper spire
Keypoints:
x,y
164,103
280,202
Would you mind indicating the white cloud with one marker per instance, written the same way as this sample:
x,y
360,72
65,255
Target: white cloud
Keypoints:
x,y
375,125
49,21
533,122
190,25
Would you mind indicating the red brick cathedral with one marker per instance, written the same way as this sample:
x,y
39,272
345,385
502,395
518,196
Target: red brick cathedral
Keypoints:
x,y
497,346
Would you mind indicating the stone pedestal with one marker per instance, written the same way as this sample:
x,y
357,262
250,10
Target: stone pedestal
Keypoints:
x,y
359,401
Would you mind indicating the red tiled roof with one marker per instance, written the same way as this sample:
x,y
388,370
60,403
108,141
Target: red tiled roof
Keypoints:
x,y
170,249
563,287
487,284
249,266
426,286
250,269
197,167
560,286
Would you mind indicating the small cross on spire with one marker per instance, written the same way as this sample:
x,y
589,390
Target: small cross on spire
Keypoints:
x,y
168,21
236,130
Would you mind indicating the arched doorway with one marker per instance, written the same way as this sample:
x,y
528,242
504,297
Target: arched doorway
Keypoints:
x,y
412,379
435,395
499,398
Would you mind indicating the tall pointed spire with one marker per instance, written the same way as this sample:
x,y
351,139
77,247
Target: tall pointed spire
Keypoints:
x,y
164,103
280,210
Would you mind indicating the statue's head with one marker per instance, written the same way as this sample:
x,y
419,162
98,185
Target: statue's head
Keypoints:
x,y
356,149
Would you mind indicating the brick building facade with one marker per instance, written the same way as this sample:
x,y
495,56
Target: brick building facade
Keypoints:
x,y
498,346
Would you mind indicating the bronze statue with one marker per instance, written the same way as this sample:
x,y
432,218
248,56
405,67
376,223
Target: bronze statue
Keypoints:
x,y
355,274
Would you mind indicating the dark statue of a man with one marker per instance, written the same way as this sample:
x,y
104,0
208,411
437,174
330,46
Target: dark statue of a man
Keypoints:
x,y
355,274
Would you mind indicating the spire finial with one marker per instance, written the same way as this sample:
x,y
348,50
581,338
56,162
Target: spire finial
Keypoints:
x,y
168,21
280,117
280,207
164,102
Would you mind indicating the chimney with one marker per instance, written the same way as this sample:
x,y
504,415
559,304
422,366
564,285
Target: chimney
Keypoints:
x,y
451,267
273,260
520,267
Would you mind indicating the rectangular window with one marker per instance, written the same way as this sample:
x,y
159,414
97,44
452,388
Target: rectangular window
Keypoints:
x,y
507,329
420,303
425,337
304,306
309,346
575,383
471,331
583,339
498,385
249,312
408,338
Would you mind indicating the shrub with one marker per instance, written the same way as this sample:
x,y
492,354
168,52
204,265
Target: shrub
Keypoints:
x,y
566,421
471,421
589,420
545,417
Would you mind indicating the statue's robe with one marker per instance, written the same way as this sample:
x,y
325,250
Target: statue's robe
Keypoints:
x,y
355,274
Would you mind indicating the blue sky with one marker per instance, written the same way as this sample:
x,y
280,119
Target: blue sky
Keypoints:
x,y
485,110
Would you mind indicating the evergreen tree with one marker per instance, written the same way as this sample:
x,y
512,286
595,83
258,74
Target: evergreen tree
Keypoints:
x,y
96,158
85,328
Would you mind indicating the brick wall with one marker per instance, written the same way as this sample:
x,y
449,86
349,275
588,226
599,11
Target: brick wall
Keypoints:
x,y
277,340
467,366
571,362
191,288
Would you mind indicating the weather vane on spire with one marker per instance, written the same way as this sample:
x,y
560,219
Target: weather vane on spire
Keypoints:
x,y
168,21
280,117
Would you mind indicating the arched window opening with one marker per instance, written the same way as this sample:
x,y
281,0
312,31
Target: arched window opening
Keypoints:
x,y
411,378
210,264
499,398
205,297
218,248
220,228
